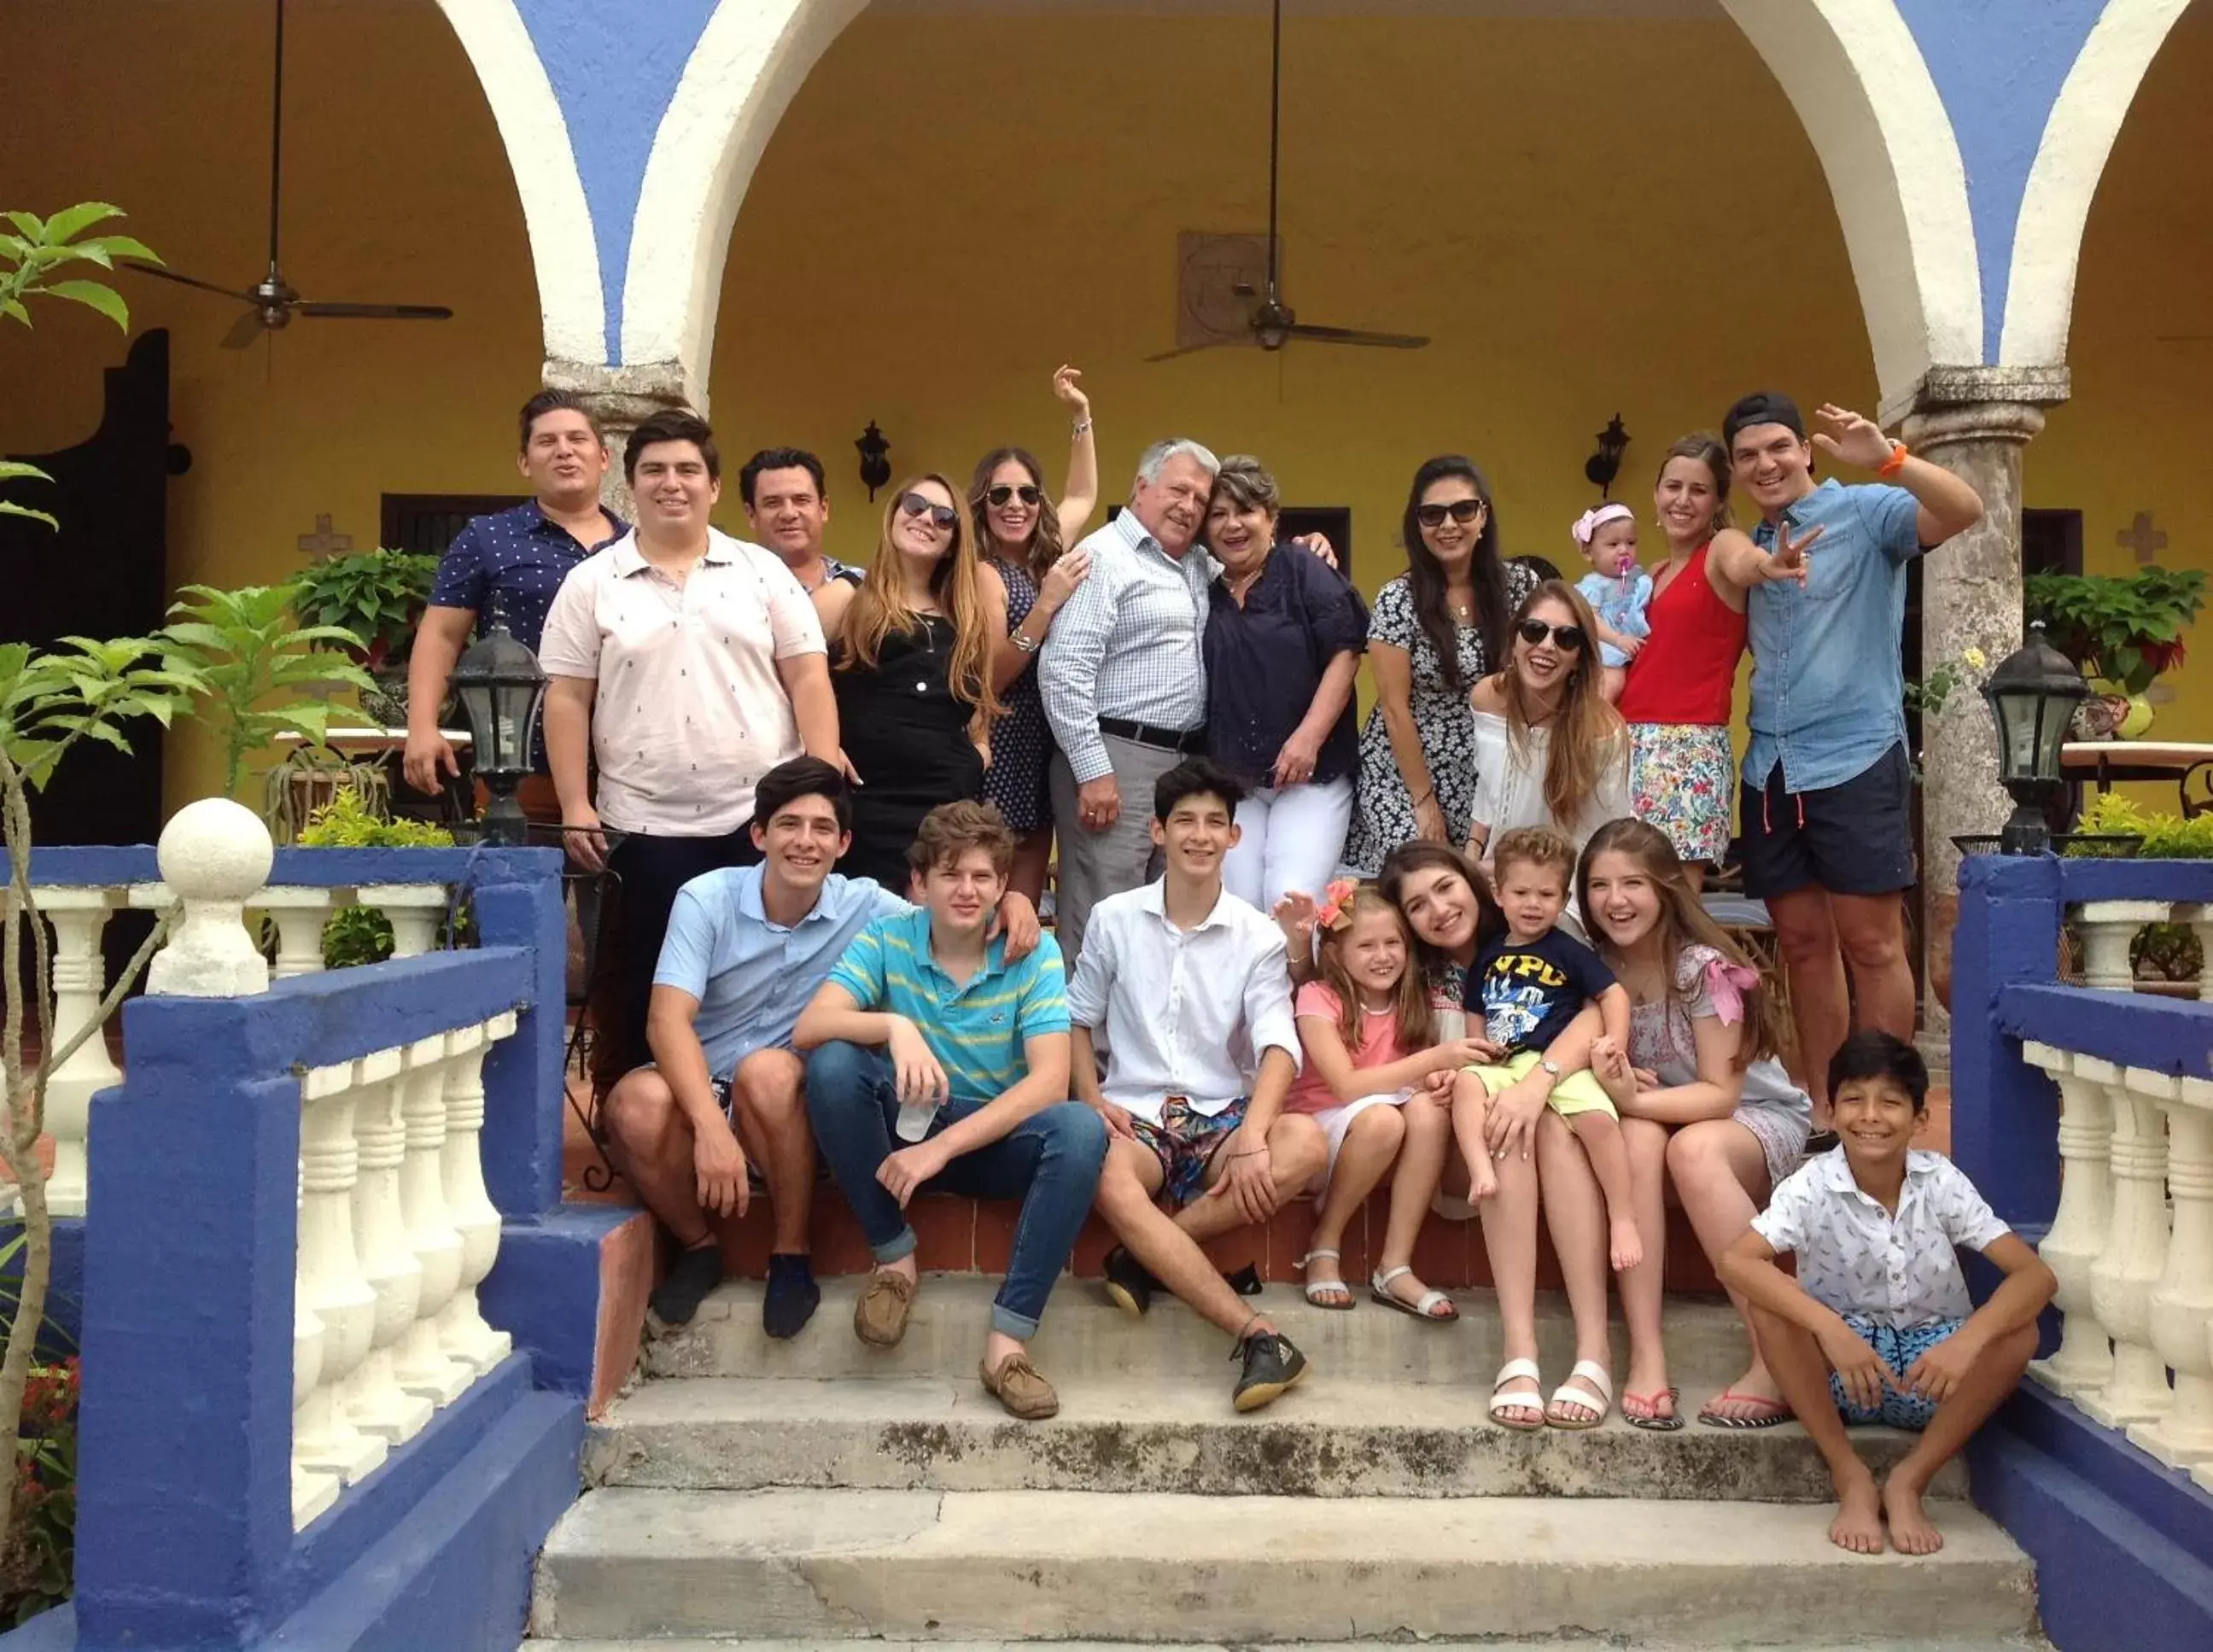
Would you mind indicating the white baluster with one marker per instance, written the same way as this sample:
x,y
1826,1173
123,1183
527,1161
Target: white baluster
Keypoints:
x,y
2085,1359
376,1402
2200,916
415,911
462,1328
2182,1303
2135,1255
311,1492
214,854
300,913
80,976
424,1366
323,1438
2108,927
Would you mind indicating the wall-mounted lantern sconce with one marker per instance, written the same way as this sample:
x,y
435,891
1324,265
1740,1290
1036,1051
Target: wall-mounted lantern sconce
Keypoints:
x,y
1602,467
875,458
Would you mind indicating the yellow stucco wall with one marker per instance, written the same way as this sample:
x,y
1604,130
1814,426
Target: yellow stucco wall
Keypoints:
x,y
954,204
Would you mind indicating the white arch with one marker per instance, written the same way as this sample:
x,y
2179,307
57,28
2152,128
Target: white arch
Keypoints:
x,y
1863,93
703,156
564,251
2054,207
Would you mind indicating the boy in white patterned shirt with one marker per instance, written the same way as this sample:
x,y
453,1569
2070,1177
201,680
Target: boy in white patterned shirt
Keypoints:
x,y
1878,1326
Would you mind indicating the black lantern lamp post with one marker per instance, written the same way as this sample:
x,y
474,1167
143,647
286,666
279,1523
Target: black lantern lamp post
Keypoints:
x,y
500,684
875,458
2032,695
1602,467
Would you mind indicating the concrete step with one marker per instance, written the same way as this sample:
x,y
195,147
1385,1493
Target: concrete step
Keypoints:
x,y
1951,1643
1328,1438
1081,1336
837,1565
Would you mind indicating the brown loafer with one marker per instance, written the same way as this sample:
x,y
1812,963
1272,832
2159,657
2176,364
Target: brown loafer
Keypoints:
x,y
1017,1386
880,1317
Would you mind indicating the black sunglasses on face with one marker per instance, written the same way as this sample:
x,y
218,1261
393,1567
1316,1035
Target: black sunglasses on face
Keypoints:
x,y
1462,511
943,516
1000,493
1534,632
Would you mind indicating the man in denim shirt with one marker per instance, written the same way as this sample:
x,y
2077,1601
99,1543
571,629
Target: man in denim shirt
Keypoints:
x,y
1825,807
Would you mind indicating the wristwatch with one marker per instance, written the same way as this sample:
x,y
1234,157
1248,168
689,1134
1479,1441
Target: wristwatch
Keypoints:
x,y
1550,1067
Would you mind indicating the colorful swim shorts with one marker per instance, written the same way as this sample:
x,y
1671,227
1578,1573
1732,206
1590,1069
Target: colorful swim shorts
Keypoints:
x,y
1185,1143
1897,1349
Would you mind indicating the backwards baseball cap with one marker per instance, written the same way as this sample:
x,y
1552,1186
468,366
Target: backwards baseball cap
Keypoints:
x,y
1762,407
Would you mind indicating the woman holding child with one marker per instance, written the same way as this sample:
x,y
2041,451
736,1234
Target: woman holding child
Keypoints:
x,y
1705,1104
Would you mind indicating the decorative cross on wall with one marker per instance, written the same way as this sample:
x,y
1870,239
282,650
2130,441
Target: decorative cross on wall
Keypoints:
x,y
324,543
2141,537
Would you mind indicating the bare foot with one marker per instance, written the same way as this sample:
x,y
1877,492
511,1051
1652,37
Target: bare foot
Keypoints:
x,y
1625,1249
1911,1532
1858,1524
1482,1179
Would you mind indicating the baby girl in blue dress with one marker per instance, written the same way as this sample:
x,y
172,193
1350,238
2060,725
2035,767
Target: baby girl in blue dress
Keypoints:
x,y
1618,590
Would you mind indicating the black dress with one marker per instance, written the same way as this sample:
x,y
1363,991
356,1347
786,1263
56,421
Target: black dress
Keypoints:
x,y
907,737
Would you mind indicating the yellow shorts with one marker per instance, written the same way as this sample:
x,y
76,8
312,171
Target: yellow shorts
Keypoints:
x,y
1578,1091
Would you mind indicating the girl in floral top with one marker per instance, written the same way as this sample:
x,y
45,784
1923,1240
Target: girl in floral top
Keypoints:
x,y
1704,1101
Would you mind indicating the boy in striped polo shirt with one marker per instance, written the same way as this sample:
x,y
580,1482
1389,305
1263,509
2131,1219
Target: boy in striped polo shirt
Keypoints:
x,y
937,1065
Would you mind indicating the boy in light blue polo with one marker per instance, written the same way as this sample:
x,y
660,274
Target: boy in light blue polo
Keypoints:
x,y
936,1063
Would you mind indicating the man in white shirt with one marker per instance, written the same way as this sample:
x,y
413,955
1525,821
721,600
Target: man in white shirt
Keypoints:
x,y
1124,680
1189,989
688,664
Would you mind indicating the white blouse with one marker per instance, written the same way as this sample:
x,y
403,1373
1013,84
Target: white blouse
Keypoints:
x,y
1510,783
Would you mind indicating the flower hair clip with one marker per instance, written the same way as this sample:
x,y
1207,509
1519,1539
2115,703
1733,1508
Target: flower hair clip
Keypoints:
x,y
1335,910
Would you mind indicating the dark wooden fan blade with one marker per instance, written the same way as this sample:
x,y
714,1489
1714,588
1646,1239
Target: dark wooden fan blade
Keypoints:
x,y
1355,336
137,268
244,331
377,312
1187,349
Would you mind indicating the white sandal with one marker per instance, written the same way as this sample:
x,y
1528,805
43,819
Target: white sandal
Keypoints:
x,y
1317,1289
1595,1374
1424,1307
1518,1370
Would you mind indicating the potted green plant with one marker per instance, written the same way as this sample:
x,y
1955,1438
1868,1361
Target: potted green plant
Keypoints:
x,y
2164,958
377,597
362,935
2122,630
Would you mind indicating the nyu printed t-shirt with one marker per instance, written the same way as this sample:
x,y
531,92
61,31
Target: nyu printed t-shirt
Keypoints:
x,y
1527,991
1378,1046
976,1031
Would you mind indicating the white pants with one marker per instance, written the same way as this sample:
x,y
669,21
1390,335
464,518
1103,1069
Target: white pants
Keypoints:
x,y
1293,839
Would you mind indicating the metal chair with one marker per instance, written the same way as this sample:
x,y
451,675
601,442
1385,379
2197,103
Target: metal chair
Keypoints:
x,y
2195,789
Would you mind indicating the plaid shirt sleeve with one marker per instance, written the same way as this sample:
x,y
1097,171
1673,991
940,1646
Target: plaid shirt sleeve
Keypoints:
x,y
1068,673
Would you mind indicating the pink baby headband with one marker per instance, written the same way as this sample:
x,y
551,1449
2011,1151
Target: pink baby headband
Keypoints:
x,y
1590,521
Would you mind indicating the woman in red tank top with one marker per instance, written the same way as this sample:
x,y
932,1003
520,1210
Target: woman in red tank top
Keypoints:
x,y
1681,685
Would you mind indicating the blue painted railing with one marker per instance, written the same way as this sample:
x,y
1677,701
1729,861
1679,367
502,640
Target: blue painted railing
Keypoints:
x,y
2123,1543
185,1533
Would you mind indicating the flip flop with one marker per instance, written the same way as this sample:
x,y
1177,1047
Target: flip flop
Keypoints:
x,y
1318,1289
1378,1287
1595,1374
1518,1370
1652,1420
1773,1413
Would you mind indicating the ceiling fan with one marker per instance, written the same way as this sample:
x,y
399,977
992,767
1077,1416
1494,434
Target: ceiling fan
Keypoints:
x,y
273,301
1274,324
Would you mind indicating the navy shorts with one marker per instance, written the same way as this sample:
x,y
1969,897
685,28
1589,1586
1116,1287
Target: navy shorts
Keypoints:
x,y
1853,838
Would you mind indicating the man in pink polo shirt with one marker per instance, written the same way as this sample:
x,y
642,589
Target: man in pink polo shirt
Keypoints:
x,y
686,664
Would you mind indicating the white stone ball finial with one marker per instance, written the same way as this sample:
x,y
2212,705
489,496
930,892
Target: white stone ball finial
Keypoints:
x,y
214,855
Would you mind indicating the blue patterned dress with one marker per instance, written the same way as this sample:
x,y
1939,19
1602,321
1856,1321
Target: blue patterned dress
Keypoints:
x,y
1022,740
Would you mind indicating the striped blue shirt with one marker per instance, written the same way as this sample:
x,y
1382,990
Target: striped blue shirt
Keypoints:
x,y
976,1031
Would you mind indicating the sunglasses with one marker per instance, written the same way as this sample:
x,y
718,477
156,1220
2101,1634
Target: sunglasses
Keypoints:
x,y
1000,493
941,516
1534,632
1462,511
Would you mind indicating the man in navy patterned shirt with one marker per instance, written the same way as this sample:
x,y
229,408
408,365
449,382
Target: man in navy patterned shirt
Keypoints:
x,y
510,562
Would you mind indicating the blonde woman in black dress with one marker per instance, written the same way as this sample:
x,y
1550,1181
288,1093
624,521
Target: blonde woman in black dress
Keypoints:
x,y
912,667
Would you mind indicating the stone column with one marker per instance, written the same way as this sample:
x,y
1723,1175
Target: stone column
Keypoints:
x,y
1974,421
621,397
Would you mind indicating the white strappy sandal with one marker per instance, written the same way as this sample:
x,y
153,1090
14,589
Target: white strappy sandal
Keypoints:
x,y
1518,1370
1422,1308
1593,1373
1316,1290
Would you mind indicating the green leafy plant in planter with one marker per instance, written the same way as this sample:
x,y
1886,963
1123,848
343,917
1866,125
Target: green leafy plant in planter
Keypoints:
x,y
362,935
377,598
2121,630
2158,953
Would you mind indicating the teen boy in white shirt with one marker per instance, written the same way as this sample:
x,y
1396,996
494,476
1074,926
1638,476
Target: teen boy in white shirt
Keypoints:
x,y
1189,989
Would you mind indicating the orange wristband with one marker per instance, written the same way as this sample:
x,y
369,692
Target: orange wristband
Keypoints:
x,y
1899,453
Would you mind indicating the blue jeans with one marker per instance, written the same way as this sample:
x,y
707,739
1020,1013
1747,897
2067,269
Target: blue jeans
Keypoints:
x,y
1049,1161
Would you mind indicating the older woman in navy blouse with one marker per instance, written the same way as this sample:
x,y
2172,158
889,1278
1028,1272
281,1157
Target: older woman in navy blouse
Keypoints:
x,y
1283,639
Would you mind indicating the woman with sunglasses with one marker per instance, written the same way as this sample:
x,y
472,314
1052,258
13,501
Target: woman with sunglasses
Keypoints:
x,y
1436,630
1028,571
912,670
1549,750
